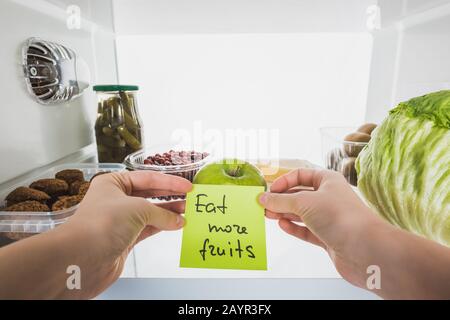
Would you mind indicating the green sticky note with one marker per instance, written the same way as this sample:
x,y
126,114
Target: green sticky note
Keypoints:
x,y
225,228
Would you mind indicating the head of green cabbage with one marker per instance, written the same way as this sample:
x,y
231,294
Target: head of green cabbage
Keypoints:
x,y
404,171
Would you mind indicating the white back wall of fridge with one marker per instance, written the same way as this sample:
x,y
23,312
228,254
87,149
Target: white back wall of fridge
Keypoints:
x,y
33,135
411,53
292,66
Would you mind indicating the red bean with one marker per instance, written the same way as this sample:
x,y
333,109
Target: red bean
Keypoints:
x,y
171,158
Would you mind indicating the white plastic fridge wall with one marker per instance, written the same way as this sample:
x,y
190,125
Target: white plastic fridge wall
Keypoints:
x,y
33,135
411,53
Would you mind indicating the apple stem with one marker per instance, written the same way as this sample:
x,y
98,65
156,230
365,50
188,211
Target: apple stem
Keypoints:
x,y
235,172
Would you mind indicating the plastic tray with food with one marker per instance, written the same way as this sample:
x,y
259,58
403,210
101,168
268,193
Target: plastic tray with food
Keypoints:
x,y
46,200
181,163
272,169
342,145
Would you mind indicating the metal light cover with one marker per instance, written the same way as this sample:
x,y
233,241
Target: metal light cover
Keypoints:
x,y
53,72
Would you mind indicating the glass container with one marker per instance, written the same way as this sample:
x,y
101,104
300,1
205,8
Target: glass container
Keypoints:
x,y
118,128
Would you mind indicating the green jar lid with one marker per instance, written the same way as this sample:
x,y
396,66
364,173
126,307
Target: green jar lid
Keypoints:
x,y
115,87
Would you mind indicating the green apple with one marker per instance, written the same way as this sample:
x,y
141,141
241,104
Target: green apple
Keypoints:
x,y
230,171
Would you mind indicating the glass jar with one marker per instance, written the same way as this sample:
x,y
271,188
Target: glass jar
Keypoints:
x,y
118,128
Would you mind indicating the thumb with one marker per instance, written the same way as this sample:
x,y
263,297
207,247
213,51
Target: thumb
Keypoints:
x,y
294,203
160,218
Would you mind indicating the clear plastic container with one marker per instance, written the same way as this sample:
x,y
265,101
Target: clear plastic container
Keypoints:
x,y
340,155
118,128
135,161
19,225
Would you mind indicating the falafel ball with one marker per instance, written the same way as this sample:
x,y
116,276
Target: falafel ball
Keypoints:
x,y
30,205
53,187
84,188
21,194
74,187
70,175
14,236
67,202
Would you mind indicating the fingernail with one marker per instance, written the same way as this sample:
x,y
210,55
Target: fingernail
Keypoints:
x,y
263,198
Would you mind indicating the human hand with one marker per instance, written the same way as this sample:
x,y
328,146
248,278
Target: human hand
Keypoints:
x,y
333,216
114,216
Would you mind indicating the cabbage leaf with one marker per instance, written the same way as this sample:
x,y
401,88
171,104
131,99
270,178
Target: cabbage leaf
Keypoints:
x,y
404,171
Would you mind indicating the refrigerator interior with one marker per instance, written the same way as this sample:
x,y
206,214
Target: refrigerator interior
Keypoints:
x,y
214,65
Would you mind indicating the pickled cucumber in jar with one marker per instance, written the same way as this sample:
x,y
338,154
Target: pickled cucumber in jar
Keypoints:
x,y
118,128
